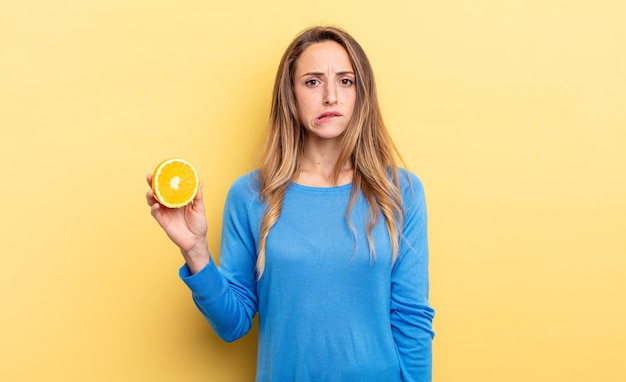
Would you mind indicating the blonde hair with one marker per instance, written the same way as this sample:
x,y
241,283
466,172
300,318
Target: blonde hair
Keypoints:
x,y
367,145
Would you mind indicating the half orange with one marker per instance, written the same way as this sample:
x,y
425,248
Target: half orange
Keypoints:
x,y
175,183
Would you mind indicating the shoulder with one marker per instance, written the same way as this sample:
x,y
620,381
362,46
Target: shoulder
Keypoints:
x,y
409,182
245,188
412,190
246,184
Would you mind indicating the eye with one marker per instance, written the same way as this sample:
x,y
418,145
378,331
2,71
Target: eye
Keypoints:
x,y
347,81
311,82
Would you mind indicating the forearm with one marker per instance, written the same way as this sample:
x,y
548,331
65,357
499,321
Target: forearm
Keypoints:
x,y
224,305
226,296
413,337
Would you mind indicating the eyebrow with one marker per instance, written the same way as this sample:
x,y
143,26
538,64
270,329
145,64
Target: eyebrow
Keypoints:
x,y
341,73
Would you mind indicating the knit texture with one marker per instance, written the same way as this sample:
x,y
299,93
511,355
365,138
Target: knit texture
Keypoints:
x,y
328,309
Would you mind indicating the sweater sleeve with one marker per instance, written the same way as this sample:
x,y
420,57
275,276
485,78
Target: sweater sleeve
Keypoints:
x,y
411,314
226,296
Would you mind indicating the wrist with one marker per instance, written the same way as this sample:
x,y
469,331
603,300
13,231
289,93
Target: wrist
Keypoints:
x,y
197,257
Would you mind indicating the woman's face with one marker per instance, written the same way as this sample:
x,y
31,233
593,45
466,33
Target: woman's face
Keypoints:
x,y
325,90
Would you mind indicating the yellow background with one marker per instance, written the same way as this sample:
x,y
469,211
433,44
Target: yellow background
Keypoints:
x,y
511,112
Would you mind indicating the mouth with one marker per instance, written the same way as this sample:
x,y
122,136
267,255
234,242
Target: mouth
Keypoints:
x,y
327,116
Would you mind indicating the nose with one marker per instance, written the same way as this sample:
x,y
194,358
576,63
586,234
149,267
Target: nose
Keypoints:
x,y
330,95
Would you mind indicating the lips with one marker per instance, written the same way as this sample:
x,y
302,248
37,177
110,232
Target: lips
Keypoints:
x,y
327,116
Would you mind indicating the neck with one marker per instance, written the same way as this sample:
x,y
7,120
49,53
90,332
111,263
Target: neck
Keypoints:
x,y
318,165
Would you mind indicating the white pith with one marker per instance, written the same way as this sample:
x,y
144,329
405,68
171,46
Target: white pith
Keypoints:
x,y
175,182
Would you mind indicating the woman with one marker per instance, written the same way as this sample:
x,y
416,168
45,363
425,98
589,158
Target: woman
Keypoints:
x,y
326,240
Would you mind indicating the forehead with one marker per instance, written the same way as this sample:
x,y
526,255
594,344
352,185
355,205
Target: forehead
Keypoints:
x,y
322,57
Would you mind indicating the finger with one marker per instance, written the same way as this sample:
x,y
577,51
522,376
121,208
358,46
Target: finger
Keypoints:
x,y
150,198
198,203
155,211
199,195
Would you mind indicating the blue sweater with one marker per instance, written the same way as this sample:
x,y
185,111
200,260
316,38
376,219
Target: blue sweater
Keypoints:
x,y
328,311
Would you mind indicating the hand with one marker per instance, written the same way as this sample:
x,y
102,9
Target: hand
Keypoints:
x,y
186,227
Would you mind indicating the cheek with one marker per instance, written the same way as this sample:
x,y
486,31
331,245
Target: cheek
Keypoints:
x,y
301,110
349,94
351,100
303,102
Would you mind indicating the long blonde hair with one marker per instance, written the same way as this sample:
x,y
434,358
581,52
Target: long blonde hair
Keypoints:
x,y
367,145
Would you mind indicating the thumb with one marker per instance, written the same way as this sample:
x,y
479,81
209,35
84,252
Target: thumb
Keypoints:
x,y
199,195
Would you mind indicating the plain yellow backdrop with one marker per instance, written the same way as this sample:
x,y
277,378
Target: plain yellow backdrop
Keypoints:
x,y
513,113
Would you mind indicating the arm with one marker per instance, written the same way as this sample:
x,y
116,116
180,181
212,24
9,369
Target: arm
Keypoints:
x,y
411,314
227,296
